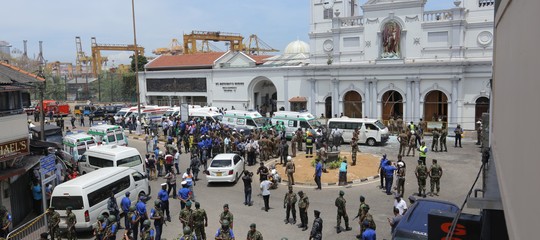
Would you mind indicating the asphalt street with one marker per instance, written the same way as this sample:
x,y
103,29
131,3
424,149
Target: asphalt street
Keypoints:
x,y
460,167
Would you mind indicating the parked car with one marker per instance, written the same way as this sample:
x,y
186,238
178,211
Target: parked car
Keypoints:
x,y
414,224
225,167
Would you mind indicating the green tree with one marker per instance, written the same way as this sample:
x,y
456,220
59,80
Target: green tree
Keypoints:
x,y
141,62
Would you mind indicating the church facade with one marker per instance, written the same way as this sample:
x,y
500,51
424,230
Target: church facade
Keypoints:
x,y
395,59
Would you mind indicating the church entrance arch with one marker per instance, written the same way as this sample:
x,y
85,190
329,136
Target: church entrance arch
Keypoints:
x,y
436,106
482,106
392,104
328,107
264,97
352,104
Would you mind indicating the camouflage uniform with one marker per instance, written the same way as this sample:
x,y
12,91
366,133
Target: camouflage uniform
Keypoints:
x,y
52,224
71,221
254,235
186,217
354,150
342,212
403,141
444,133
293,145
435,172
367,216
421,175
412,144
227,216
435,142
289,203
299,139
199,216
399,124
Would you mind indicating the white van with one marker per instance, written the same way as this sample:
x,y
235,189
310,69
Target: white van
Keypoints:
x,y
111,156
295,120
76,144
109,134
243,119
205,113
371,131
88,194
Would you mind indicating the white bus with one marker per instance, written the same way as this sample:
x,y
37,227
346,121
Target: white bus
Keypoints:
x,y
87,195
295,120
111,156
241,119
205,113
371,131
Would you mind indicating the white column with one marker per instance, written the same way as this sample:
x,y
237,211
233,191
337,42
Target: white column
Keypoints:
x,y
419,108
374,108
408,111
453,114
366,109
312,97
335,96
286,94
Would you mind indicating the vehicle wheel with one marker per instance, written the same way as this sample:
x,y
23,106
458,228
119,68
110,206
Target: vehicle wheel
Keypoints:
x,y
236,178
371,142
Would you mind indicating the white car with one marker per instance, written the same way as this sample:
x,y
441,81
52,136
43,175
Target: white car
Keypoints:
x,y
226,167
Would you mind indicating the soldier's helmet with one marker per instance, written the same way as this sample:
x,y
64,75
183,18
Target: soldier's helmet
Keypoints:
x,y
132,208
100,218
157,202
112,218
187,230
341,193
225,223
289,158
146,223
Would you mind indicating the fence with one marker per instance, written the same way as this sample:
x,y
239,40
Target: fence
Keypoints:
x,y
30,230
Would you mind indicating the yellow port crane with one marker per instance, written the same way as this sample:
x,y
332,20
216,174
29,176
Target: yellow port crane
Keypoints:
x,y
82,59
59,67
190,40
98,60
257,46
175,48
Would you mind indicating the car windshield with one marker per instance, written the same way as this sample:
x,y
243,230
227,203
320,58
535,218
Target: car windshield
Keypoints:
x,y
379,124
314,123
260,121
219,163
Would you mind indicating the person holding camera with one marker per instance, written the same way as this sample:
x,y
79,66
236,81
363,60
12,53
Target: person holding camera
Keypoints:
x,y
247,179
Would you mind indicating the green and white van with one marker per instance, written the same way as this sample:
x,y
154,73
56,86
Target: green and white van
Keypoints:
x,y
241,119
76,144
295,120
108,134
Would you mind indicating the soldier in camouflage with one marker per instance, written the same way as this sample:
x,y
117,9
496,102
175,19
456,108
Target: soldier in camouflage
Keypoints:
x,y
53,218
341,205
71,220
224,232
366,216
421,173
253,234
435,142
186,216
227,215
289,203
435,174
200,221
354,150
188,235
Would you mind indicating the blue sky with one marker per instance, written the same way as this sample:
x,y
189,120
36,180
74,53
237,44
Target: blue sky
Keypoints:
x,y
56,23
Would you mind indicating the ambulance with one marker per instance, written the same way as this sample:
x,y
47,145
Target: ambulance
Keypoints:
x,y
241,119
109,134
295,120
76,144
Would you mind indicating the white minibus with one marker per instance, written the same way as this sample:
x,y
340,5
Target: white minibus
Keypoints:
x,y
371,131
109,134
243,119
87,195
76,144
110,156
295,120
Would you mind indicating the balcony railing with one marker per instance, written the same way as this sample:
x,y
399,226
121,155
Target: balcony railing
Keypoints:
x,y
439,15
351,21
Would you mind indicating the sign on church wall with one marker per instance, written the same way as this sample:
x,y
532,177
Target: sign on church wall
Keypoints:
x,y
176,85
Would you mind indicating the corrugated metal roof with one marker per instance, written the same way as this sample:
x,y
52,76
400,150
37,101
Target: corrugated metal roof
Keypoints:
x,y
10,74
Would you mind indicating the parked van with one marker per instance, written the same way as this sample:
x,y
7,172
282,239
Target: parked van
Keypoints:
x,y
371,131
76,144
205,113
88,194
295,120
108,134
110,156
243,119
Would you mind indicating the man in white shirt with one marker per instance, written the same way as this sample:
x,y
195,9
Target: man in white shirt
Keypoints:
x,y
265,189
400,204
176,160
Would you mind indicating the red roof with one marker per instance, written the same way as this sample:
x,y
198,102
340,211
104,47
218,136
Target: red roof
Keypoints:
x,y
197,60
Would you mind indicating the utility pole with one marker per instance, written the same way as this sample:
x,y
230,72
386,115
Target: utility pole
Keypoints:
x,y
99,87
41,88
136,59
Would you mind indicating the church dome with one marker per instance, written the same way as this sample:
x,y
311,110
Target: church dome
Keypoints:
x,y
297,47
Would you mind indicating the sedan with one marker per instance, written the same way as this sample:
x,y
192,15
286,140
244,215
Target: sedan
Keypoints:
x,y
226,167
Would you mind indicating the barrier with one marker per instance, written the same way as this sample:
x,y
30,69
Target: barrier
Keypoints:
x,y
30,230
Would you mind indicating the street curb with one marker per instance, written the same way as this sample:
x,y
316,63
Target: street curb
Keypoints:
x,y
354,182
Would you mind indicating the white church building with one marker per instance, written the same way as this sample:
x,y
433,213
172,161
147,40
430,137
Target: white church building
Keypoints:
x,y
393,60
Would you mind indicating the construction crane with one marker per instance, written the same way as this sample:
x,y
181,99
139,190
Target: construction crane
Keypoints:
x,y
190,40
207,46
175,48
98,60
257,46
82,59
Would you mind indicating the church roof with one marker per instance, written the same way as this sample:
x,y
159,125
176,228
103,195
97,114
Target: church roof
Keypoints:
x,y
10,74
192,61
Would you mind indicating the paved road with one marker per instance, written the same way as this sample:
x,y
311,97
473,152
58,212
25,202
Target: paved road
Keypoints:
x,y
460,167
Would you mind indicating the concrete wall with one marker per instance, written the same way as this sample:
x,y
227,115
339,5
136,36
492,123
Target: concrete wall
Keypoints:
x,y
514,136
